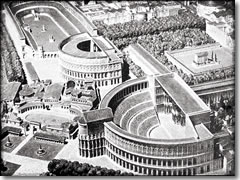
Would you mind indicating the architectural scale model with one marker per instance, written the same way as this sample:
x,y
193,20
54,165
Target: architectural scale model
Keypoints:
x,y
102,88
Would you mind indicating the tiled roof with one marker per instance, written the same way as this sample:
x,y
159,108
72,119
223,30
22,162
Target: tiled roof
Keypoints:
x,y
31,70
9,91
97,115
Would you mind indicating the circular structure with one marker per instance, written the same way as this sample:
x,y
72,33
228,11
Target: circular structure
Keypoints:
x,y
8,144
153,134
41,151
82,56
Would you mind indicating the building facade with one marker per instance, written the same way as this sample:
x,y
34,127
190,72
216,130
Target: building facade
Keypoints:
x,y
82,56
128,139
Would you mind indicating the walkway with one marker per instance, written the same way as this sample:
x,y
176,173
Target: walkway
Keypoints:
x,y
22,144
71,152
29,166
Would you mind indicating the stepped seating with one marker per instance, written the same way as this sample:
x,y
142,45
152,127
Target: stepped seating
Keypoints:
x,y
130,102
136,114
139,119
132,112
146,125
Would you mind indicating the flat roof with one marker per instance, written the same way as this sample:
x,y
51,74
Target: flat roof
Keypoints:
x,y
97,115
149,60
203,132
179,92
186,57
102,43
71,48
9,90
32,72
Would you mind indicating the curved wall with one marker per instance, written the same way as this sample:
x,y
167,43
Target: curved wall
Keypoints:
x,y
96,65
147,156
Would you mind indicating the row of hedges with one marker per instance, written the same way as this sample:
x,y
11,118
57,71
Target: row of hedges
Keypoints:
x,y
61,167
10,59
134,68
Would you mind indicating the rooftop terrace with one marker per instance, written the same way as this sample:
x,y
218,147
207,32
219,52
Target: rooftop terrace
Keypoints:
x,y
70,46
186,57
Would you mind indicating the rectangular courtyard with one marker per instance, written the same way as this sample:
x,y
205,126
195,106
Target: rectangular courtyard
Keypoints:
x,y
32,146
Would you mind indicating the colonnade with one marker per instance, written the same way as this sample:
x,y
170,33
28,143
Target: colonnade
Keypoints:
x,y
28,108
149,166
157,166
216,97
91,145
174,150
99,82
95,75
166,105
104,75
125,92
49,140
178,159
163,101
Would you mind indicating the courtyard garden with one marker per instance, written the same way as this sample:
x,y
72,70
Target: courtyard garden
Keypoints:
x,y
34,147
12,140
9,168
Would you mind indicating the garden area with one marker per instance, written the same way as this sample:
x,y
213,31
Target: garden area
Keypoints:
x,y
33,145
14,140
163,34
8,168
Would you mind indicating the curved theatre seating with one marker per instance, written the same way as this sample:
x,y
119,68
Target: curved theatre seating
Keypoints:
x,y
133,114
130,102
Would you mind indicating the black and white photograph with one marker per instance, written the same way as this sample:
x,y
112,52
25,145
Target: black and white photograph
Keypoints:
x,y
118,88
